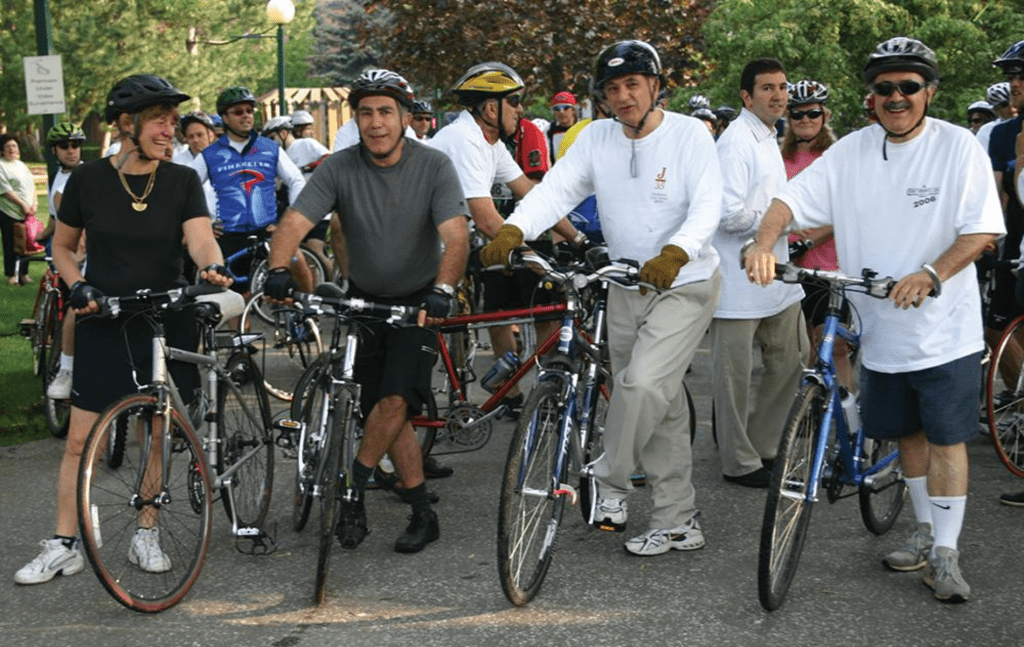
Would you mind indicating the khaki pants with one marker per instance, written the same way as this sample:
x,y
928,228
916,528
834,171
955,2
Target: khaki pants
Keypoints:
x,y
652,339
745,434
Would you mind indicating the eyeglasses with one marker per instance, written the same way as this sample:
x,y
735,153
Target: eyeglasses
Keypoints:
x,y
797,115
514,100
238,112
66,145
421,118
906,88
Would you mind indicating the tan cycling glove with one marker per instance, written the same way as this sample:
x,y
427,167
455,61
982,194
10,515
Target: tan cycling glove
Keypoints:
x,y
505,240
661,270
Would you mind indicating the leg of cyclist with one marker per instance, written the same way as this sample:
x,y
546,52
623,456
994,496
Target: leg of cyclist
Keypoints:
x,y
60,387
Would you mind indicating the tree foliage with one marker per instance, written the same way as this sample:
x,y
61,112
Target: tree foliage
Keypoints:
x,y
551,43
829,41
104,40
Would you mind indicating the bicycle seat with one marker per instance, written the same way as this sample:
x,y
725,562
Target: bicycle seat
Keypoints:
x,y
231,304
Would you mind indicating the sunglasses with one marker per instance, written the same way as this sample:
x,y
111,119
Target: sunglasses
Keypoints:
x,y
421,118
66,145
562,108
906,88
514,100
238,112
797,115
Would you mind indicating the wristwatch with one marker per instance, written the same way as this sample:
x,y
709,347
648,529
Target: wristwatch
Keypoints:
x,y
444,287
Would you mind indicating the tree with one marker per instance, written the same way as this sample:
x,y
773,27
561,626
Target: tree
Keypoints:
x,y
551,43
340,56
829,41
104,40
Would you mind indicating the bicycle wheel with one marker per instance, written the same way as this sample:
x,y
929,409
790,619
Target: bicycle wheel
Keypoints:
x,y
309,407
787,512
529,511
330,489
1004,395
46,319
172,495
882,500
57,412
116,443
594,447
246,441
291,342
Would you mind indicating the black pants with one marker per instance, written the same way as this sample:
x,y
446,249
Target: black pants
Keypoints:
x,y
7,231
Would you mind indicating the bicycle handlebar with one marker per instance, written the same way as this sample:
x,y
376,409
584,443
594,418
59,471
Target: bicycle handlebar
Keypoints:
x,y
878,288
316,303
623,271
142,300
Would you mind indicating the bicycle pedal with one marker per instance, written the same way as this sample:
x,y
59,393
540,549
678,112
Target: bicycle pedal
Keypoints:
x,y
254,541
564,489
26,327
608,526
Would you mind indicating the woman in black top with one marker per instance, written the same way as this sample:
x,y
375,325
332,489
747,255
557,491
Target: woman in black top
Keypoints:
x,y
135,209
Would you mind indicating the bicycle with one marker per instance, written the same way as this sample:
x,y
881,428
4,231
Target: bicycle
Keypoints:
x,y
44,331
170,472
1004,397
558,435
327,414
823,447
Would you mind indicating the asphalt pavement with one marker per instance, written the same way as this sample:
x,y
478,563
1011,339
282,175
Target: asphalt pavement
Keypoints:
x,y
595,593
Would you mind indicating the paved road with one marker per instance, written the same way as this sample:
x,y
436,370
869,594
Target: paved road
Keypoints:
x,y
595,593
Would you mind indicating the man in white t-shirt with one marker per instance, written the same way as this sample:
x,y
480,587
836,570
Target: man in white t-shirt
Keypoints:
x,y
659,196
922,209
753,172
476,142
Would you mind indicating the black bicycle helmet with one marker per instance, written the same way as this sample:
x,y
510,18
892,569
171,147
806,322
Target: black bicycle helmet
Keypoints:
x,y
381,83
806,91
1012,60
422,105
64,131
726,113
485,81
622,58
705,115
233,96
196,117
902,53
139,91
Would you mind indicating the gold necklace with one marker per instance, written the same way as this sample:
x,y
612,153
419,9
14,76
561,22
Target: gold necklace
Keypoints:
x,y
139,204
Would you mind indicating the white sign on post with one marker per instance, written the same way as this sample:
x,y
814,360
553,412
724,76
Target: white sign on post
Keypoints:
x,y
44,85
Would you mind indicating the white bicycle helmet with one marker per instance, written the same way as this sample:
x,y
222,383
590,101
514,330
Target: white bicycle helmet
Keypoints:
x,y
806,91
998,94
301,118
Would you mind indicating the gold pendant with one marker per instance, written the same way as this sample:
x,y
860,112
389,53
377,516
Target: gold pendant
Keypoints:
x,y
139,206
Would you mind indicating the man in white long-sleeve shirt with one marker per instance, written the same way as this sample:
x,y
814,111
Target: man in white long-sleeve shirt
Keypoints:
x,y
659,193
753,172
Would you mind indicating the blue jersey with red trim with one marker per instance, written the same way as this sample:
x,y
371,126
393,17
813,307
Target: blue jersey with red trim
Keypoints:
x,y
244,182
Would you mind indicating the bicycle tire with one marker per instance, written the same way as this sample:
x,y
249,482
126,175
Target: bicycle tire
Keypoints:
x,y
56,412
1004,399
308,407
46,318
594,447
110,508
244,427
529,513
116,443
787,512
330,486
882,501
265,310
290,344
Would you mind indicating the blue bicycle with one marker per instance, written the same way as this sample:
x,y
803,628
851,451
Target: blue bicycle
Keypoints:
x,y
823,447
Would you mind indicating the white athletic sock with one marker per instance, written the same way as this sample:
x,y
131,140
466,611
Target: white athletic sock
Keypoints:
x,y
948,513
918,487
67,362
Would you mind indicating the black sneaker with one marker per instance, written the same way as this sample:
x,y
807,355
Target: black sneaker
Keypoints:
x,y
435,469
423,529
1016,499
513,407
757,479
352,528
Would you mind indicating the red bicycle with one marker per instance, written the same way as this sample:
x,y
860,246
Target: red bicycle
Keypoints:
x,y
44,331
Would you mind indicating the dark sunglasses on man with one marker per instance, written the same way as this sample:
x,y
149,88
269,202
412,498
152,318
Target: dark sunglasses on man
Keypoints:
x,y
71,144
514,100
907,88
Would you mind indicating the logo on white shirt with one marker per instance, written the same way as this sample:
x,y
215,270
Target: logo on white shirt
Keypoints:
x,y
925,195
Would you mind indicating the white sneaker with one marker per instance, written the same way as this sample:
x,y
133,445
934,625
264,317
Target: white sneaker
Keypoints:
x,y
610,514
60,386
656,542
146,552
56,559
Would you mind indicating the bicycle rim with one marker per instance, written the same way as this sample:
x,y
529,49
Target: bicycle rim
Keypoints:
x,y
308,406
530,512
330,493
291,343
243,424
1004,395
787,512
57,412
111,506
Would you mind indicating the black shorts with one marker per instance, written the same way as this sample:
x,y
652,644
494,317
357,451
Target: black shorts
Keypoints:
x,y
1003,307
319,230
394,360
519,288
815,303
107,351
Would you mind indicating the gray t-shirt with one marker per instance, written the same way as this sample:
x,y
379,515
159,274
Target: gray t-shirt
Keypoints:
x,y
389,215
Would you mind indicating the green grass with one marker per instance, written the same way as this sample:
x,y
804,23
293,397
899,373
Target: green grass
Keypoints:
x,y
21,392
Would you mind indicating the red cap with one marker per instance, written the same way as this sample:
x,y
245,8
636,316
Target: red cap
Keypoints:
x,y
564,98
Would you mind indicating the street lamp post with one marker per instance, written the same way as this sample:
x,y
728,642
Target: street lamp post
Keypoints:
x,y
280,12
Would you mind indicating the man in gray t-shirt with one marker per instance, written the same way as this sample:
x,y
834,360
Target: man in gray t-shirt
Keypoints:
x,y
396,202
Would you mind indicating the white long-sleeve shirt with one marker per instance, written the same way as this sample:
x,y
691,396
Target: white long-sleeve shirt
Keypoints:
x,y
675,198
752,173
